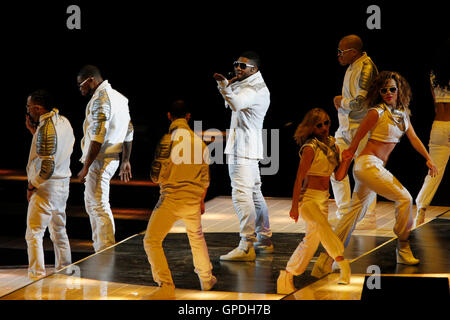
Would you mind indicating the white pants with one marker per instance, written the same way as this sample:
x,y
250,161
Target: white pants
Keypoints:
x,y
47,207
439,147
341,189
166,212
248,200
314,210
96,200
372,178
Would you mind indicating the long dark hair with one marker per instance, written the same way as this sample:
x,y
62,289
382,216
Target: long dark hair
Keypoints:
x,y
404,90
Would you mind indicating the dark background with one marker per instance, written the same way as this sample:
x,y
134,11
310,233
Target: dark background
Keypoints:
x,y
154,53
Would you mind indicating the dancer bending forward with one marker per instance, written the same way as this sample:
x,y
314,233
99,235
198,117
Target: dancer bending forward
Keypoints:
x,y
319,159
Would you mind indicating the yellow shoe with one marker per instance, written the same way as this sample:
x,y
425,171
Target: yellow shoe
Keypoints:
x,y
404,254
285,283
346,272
165,292
208,284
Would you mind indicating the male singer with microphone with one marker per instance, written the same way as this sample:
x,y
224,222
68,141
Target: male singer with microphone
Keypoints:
x,y
248,98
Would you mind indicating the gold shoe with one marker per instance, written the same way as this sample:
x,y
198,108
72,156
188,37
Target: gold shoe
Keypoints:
x,y
404,254
285,283
165,292
346,272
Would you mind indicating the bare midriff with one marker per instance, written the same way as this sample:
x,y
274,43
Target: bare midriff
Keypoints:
x,y
379,149
318,182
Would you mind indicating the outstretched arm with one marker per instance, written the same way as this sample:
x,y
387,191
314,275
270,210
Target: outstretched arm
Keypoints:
x,y
303,167
420,148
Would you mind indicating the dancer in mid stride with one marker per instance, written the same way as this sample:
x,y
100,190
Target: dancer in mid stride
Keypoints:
x,y
386,122
319,159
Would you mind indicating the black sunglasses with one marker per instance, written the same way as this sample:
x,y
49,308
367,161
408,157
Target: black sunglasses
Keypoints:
x,y
242,65
391,89
325,123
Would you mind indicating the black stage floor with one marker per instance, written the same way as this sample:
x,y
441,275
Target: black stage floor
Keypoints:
x,y
127,262
430,243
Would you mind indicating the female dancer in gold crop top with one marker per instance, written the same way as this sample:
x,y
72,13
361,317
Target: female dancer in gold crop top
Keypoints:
x,y
319,159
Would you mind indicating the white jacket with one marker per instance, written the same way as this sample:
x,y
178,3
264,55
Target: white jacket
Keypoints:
x,y
51,148
357,80
249,100
107,122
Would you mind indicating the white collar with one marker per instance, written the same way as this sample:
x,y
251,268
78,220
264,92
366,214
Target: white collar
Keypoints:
x,y
102,86
253,77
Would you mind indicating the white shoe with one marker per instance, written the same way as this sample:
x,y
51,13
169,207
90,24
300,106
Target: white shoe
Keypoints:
x,y
322,266
165,292
346,272
404,254
420,217
240,254
285,283
208,284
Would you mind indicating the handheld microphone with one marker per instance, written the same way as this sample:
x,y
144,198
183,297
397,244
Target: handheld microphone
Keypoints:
x,y
33,123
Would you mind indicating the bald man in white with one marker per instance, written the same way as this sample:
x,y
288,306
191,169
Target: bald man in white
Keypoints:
x,y
350,108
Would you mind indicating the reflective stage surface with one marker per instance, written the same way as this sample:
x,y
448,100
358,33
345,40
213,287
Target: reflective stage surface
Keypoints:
x,y
122,272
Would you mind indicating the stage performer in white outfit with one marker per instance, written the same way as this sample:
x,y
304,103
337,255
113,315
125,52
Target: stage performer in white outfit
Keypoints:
x,y
319,158
360,72
351,110
248,98
48,173
108,131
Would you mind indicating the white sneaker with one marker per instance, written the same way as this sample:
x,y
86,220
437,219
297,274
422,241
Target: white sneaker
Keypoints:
x,y
207,285
346,272
165,292
285,283
240,254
